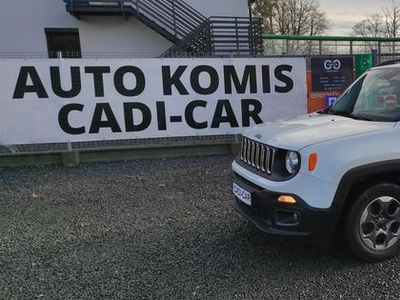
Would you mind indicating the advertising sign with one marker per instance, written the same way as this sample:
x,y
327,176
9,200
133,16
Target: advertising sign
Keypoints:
x,y
59,100
331,73
329,100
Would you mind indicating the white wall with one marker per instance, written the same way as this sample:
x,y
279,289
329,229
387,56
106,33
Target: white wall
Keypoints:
x,y
22,24
115,36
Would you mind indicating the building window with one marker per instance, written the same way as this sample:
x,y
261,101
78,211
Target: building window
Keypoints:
x,y
63,42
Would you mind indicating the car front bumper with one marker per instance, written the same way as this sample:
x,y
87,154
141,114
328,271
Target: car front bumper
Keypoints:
x,y
284,219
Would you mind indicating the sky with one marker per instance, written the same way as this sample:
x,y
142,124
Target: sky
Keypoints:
x,y
344,14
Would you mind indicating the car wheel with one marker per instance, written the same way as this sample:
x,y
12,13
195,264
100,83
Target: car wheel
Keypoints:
x,y
372,226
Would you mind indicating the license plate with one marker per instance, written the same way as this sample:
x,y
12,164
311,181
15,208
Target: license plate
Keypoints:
x,y
241,194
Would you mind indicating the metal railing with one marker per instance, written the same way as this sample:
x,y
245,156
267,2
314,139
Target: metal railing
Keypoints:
x,y
174,19
221,36
384,48
191,32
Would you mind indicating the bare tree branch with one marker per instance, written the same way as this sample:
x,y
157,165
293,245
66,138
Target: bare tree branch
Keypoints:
x,y
291,17
386,24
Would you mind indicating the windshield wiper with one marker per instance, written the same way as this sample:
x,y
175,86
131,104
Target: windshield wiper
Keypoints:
x,y
348,114
339,112
358,117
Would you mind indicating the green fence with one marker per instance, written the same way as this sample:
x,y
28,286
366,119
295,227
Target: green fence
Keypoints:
x,y
382,49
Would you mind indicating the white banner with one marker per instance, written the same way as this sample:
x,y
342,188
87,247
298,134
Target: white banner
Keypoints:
x,y
53,101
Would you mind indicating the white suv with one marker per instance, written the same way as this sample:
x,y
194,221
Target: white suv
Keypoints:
x,y
304,176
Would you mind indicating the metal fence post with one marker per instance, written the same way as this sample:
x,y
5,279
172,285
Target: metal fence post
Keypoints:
x,y
137,7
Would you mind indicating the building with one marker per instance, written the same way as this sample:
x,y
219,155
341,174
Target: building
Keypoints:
x,y
127,28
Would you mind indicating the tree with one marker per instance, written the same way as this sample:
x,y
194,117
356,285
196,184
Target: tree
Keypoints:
x,y
386,24
371,26
291,17
265,9
392,19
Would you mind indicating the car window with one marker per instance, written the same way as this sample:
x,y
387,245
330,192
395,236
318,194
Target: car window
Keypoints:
x,y
374,96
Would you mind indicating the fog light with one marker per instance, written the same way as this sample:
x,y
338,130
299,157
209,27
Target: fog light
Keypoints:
x,y
286,218
286,199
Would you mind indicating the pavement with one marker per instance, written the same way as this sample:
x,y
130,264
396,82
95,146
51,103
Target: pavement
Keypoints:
x,y
159,229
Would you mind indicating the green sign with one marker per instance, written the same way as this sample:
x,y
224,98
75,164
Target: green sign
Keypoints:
x,y
362,63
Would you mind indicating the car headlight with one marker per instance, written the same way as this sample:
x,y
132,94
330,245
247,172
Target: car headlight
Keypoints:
x,y
292,162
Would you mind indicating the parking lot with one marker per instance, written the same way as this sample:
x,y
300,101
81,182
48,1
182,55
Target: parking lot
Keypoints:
x,y
159,229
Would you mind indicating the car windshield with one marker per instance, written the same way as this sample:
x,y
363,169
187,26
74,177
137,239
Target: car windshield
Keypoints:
x,y
375,96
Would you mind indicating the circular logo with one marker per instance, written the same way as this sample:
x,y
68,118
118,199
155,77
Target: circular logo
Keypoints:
x,y
332,64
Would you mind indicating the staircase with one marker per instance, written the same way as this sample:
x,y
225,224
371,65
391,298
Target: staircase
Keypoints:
x,y
221,37
192,33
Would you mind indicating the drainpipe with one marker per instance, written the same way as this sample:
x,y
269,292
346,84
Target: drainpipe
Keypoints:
x,y
249,3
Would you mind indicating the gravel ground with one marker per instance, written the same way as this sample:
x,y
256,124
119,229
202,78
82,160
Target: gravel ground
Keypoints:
x,y
159,229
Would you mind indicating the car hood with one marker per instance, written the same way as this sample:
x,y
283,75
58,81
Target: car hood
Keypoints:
x,y
297,133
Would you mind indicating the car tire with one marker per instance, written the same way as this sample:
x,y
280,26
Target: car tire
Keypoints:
x,y
372,226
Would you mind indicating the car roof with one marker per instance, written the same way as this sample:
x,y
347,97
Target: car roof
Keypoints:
x,y
391,62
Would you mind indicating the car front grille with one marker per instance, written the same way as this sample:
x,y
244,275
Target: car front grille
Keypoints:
x,y
259,156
